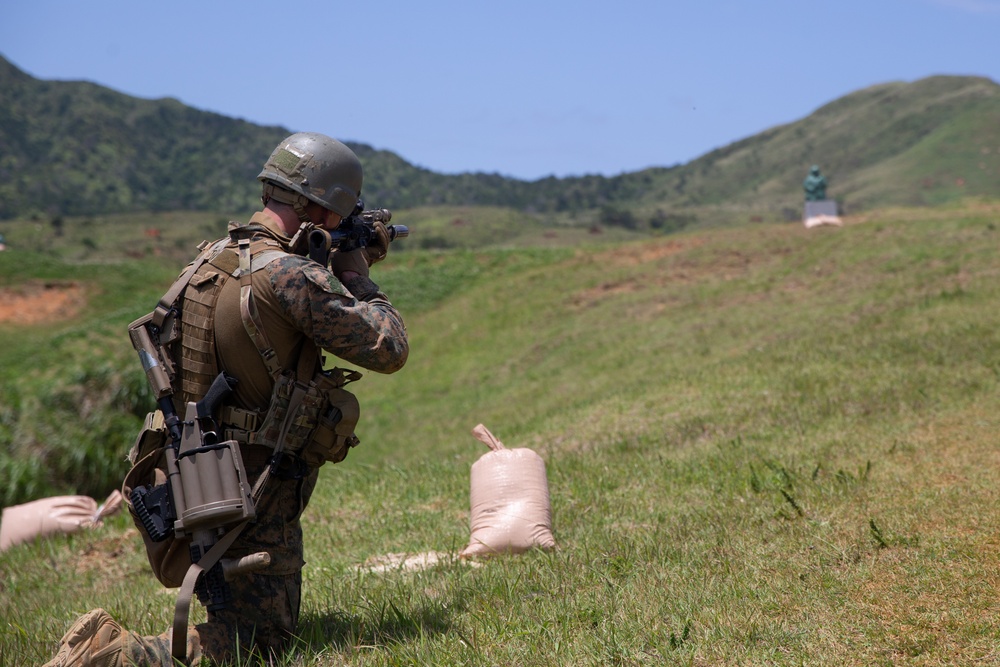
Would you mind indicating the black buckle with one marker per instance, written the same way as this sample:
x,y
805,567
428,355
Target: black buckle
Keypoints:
x,y
288,466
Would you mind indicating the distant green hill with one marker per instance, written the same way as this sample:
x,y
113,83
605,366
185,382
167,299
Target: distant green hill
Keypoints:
x,y
921,143
77,148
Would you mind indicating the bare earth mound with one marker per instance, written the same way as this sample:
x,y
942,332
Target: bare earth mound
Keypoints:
x,y
39,302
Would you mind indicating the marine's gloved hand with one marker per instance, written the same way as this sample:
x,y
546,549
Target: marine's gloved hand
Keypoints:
x,y
354,260
378,248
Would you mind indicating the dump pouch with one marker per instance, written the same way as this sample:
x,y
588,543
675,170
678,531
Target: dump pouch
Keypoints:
x,y
170,557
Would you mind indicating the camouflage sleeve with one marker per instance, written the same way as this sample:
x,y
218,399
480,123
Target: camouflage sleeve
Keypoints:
x,y
361,328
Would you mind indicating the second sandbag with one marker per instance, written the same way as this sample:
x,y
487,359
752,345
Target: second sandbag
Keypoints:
x,y
509,496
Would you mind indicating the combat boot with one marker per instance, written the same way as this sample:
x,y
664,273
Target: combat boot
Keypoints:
x,y
95,640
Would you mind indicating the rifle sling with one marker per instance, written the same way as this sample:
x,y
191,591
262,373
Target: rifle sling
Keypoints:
x,y
178,644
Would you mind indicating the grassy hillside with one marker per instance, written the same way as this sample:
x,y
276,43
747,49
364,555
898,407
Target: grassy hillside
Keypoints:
x,y
913,144
171,238
765,445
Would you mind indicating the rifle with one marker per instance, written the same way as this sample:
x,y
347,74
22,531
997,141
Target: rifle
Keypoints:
x,y
355,231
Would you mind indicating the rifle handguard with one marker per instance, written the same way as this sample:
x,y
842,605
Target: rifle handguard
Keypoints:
x,y
355,231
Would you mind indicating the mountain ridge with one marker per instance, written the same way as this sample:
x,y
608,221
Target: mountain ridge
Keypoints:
x,y
80,148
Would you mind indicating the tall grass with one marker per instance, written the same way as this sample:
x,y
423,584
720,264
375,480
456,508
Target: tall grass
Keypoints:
x,y
768,446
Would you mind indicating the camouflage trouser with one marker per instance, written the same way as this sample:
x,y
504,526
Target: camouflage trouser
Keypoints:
x,y
260,622
265,607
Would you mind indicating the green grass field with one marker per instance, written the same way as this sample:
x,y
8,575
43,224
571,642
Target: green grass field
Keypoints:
x,y
765,446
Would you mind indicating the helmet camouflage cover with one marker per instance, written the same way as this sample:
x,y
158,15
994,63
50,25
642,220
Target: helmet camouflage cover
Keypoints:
x,y
317,167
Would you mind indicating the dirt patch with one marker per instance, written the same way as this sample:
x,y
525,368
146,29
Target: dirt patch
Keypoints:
x,y
106,553
633,255
650,252
38,302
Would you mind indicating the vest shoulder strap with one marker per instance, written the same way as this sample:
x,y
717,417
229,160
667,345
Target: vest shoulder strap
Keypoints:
x,y
248,312
169,300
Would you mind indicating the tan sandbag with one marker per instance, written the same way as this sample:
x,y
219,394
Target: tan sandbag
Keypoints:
x,y
509,497
50,516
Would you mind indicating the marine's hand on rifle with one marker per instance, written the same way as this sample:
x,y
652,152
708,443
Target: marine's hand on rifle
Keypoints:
x,y
378,246
351,261
359,241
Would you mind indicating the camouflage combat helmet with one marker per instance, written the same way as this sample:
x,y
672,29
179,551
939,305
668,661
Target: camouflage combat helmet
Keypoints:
x,y
316,167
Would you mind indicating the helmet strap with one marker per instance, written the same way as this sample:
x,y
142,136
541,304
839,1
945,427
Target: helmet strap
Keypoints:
x,y
295,200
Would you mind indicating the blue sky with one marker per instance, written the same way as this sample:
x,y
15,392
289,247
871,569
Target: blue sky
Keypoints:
x,y
525,89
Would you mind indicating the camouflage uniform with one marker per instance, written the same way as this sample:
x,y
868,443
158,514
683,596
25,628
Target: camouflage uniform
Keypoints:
x,y
265,606
296,299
